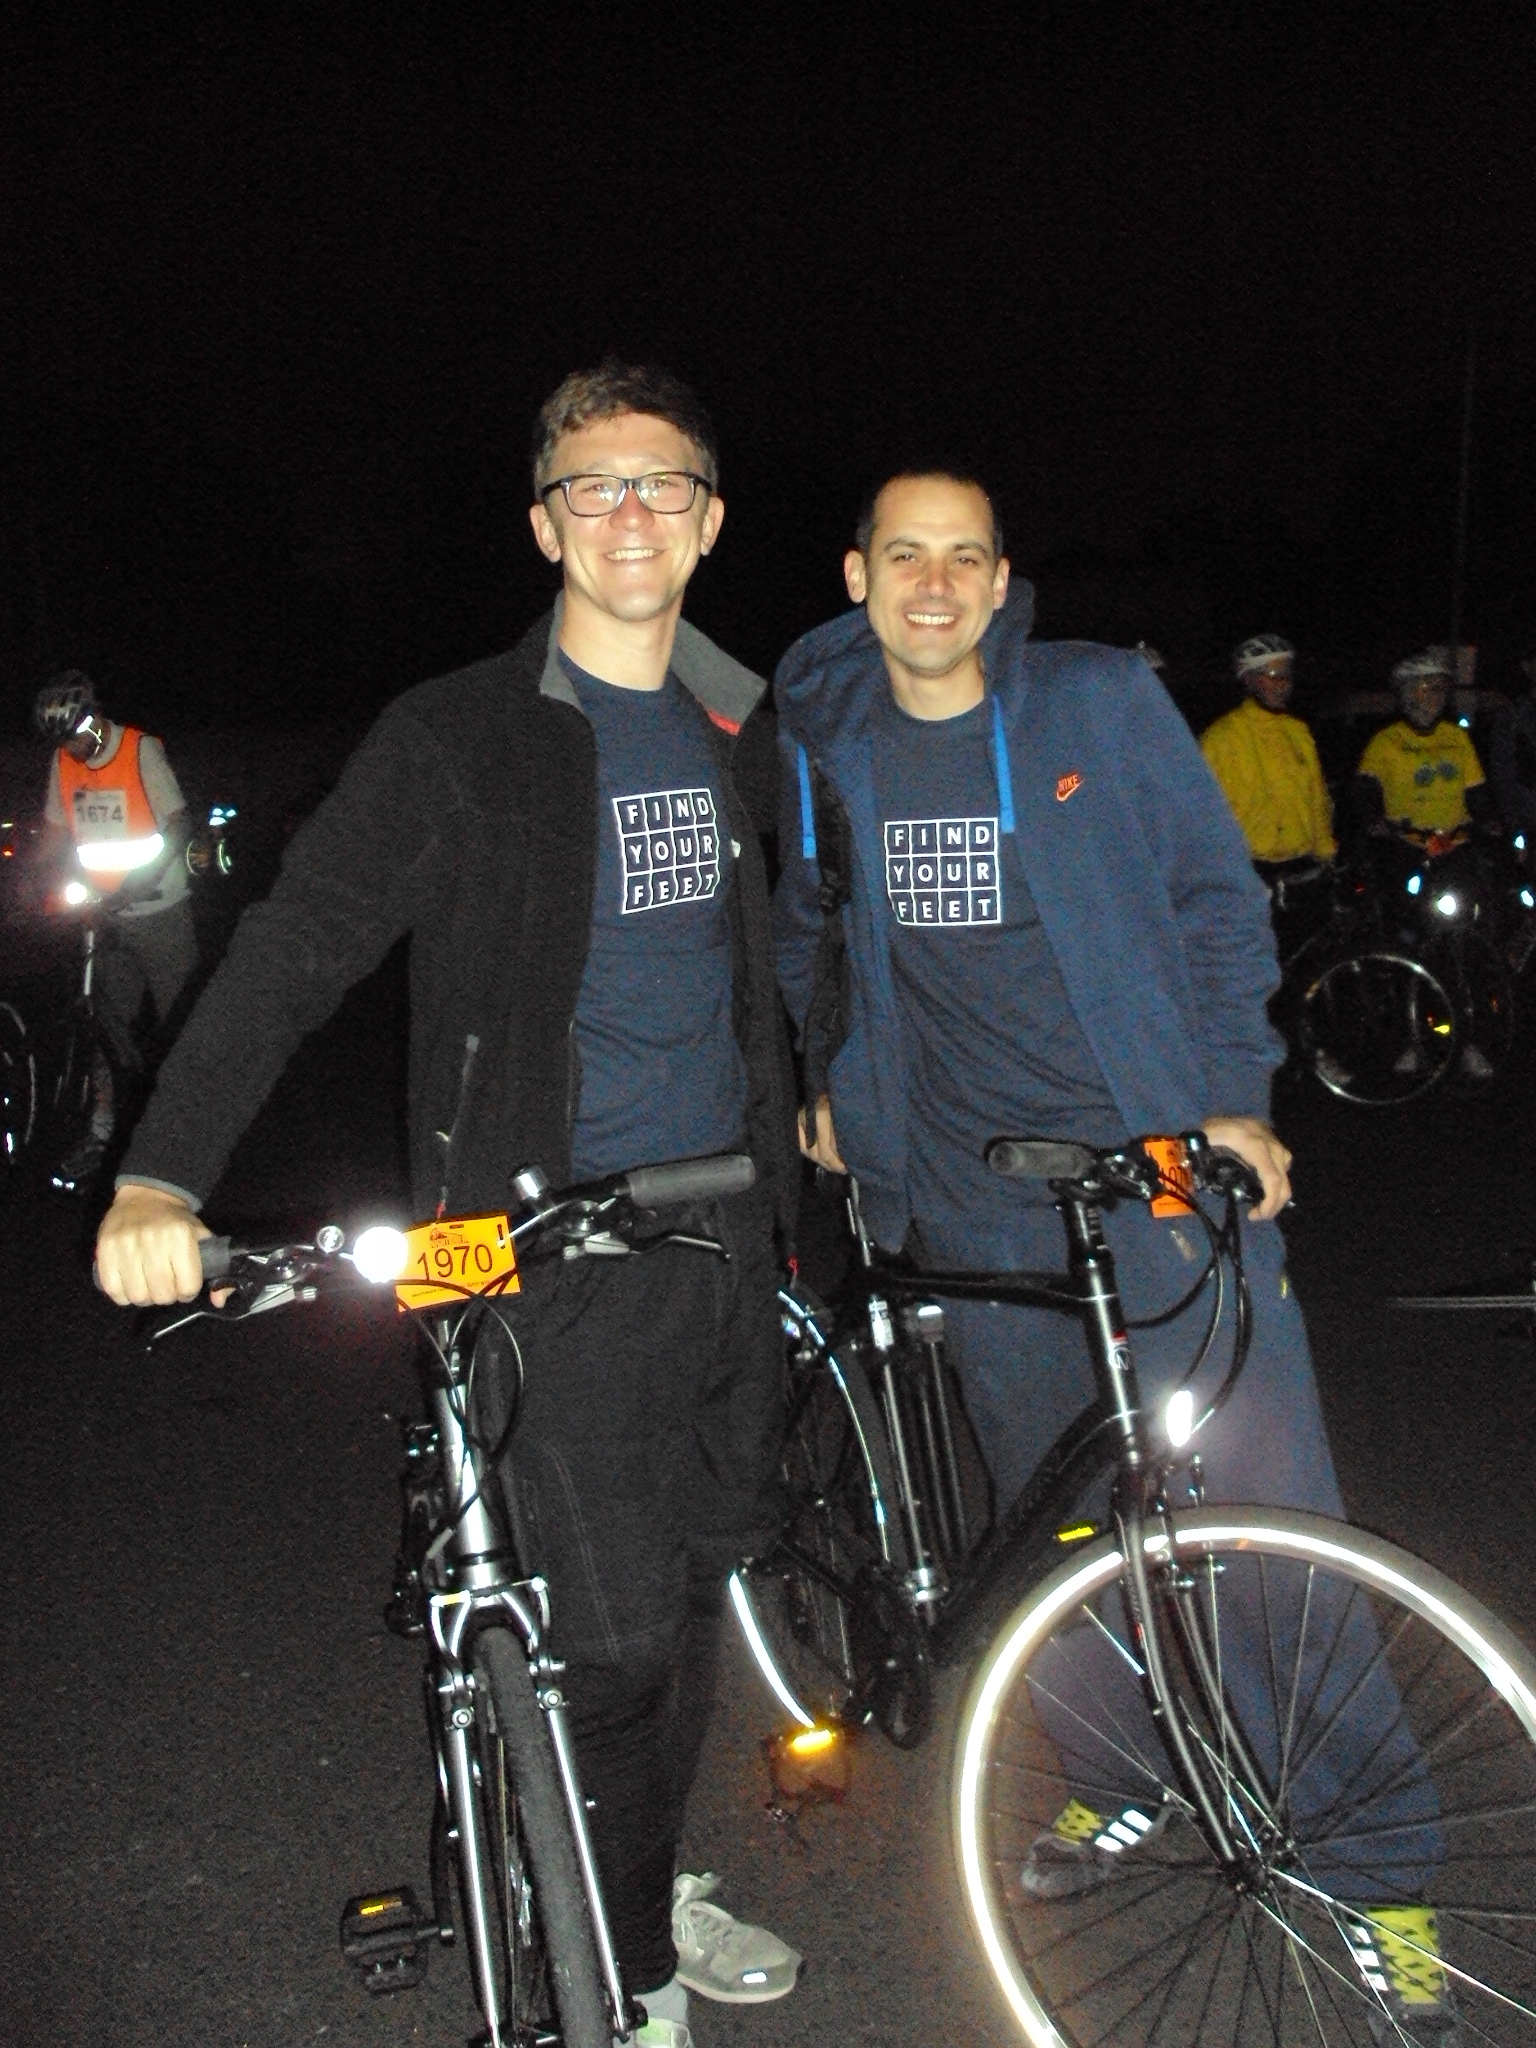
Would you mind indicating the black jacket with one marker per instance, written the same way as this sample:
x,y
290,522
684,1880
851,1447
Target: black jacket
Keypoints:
x,y
467,819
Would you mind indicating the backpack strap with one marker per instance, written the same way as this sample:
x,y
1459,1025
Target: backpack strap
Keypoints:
x,y
826,837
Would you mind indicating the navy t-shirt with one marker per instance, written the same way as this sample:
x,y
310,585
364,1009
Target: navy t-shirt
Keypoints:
x,y
662,1076
991,1042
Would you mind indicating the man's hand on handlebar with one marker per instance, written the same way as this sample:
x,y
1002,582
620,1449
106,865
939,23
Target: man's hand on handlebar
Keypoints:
x,y
146,1249
824,1149
1253,1141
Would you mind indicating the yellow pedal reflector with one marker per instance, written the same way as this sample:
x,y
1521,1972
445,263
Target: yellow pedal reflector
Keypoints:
x,y
807,1767
1079,1532
812,1741
371,1906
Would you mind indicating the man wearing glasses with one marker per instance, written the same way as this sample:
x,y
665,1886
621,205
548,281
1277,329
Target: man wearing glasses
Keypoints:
x,y
558,831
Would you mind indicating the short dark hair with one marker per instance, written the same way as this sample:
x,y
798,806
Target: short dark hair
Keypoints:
x,y
864,531
614,388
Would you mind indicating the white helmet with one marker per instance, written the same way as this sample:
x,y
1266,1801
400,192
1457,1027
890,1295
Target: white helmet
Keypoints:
x,y
1434,664
1259,652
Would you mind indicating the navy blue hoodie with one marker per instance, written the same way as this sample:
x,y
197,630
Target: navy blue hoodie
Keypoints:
x,y
1132,855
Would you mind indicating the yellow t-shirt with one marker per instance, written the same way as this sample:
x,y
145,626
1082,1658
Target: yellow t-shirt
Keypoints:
x,y
1424,776
1266,762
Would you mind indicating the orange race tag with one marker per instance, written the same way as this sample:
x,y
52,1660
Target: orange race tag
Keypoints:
x,y
455,1258
1172,1162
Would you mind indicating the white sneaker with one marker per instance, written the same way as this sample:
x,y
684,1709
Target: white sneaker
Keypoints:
x,y
1475,1064
724,1958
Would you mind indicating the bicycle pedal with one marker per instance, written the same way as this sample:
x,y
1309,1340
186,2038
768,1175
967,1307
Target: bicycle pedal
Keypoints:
x,y
386,1937
406,1614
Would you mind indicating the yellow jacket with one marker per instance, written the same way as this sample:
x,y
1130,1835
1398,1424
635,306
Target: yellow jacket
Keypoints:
x,y
1266,762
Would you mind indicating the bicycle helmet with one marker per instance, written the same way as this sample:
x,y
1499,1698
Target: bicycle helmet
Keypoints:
x,y
1434,664
1259,652
61,704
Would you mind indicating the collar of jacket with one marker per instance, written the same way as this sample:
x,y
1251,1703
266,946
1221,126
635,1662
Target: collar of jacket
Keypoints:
x,y
727,690
828,681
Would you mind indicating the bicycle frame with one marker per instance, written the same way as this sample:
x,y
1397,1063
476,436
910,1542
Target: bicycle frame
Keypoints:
x,y
951,1588
473,1583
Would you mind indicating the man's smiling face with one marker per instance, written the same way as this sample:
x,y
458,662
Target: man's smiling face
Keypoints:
x,y
930,579
632,564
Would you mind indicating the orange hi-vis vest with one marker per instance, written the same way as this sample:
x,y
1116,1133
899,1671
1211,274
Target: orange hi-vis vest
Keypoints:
x,y
108,808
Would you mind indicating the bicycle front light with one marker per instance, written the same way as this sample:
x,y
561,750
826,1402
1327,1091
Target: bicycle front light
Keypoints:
x,y
379,1253
1179,1418
76,893
1448,904
1415,884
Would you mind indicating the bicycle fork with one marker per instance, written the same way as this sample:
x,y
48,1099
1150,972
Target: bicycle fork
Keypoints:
x,y
1204,1778
483,1586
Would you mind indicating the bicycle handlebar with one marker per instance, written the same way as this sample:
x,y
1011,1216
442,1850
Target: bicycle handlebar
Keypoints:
x,y
215,1254
1129,1171
689,1180
645,1187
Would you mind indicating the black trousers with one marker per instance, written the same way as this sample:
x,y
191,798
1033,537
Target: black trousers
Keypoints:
x,y
152,956
642,1466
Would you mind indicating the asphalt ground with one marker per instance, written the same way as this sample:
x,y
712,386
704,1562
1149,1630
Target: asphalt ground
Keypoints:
x,y
208,1740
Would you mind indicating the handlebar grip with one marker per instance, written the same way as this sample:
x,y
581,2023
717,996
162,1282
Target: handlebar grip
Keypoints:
x,y
1039,1159
1223,1172
214,1253
690,1180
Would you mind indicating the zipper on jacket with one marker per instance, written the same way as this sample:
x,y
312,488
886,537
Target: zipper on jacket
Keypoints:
x,y
471,1047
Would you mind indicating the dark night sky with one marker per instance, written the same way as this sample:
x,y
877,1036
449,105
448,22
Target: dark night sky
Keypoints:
x,y
278,307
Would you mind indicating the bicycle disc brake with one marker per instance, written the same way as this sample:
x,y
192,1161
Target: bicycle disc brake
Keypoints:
x,y
892,1666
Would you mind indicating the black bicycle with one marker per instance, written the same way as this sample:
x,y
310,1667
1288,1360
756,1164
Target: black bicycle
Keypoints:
x,y
1405,978
508,1818
1302,1761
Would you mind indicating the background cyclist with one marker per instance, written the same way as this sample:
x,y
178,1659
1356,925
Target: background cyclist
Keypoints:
x,y
558,831
119,824
1420,778
1266,762
1420,792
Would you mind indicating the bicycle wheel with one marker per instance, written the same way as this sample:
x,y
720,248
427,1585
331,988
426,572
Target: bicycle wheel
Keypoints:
x,y
1377,1028
18,1086
69,1089
1387,1726
547,1955
829,1601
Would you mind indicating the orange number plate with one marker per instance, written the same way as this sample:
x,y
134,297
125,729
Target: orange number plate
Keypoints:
x,y
456,1257
1172,1162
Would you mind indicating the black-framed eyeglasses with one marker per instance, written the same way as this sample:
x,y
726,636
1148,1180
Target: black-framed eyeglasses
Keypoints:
x,y
593,496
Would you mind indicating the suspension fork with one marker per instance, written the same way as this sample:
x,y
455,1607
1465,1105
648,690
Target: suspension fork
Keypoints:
x,y
483,1576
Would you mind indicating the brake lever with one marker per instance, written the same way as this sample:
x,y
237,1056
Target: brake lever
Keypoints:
x,y
275,1294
